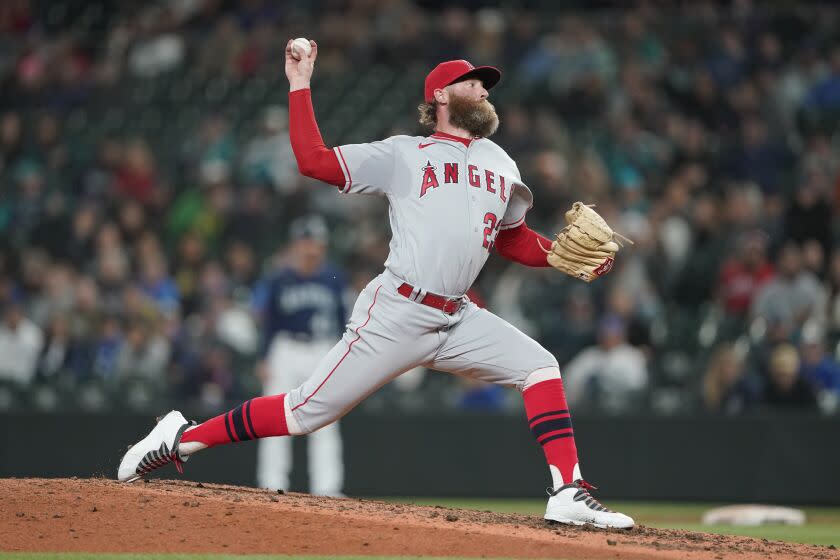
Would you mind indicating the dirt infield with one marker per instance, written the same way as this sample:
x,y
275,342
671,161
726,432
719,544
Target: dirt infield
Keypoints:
x,y
97,515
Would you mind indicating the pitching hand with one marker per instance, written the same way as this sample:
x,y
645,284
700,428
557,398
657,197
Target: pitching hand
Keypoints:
x,y
299,72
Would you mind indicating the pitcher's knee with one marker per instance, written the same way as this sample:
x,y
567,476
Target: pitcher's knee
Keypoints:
x,y
302,422
539,375
307,417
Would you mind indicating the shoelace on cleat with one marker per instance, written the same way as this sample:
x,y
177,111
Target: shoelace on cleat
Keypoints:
x,y
163,455
157,458
582,494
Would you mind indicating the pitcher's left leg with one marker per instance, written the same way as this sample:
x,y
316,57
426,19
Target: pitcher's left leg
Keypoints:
x,y
486,347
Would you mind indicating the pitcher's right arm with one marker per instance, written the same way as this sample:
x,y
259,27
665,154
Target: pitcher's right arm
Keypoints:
x,y
313,157
354,168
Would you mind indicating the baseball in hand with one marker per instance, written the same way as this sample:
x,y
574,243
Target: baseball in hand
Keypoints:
x,y
301,47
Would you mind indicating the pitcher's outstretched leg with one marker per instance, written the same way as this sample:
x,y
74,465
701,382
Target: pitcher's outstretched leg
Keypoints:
x,y
174,439
372,351
551,423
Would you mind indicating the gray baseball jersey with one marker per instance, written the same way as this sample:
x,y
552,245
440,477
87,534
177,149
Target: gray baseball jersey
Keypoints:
x,y
448,202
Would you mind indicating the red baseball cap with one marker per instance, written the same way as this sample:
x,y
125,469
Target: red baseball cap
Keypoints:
x,y
449,72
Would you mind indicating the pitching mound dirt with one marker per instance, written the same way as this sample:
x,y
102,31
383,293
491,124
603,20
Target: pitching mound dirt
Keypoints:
x,y
57,515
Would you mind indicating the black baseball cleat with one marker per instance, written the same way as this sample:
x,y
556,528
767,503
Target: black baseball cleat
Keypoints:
x,y
572,504
158,448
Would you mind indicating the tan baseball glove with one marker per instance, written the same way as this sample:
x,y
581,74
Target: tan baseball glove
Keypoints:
x,y
586,247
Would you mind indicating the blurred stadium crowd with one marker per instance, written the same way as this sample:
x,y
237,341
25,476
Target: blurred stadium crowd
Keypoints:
x,y
146,184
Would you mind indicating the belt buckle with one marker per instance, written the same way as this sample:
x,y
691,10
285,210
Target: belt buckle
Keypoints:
x,y
457,301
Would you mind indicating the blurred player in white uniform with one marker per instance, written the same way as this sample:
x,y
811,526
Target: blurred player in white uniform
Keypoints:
x,y
303,312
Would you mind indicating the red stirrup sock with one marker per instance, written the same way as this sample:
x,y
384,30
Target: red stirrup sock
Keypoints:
x,y
551,424
257,418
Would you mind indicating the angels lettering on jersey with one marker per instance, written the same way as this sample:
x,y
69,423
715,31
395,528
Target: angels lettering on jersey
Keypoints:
x,y
491,181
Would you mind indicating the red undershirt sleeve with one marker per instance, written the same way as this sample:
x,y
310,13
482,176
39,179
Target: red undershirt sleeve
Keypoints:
x,y
313,157
521,244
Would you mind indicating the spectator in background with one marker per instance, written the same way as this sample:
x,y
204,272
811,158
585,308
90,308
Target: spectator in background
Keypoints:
x,y
727,386
744,206
136,177
728,62
634,310
242,264
189,259
105,349
760,158
203,210
132,221
234,326
794,295
549,170
213,143
30,198
517,134
743,275
825,95
580,320
832,287
32,276
612,373
21,341
253,221
96,182
11,139
260,49
268,157
111,253
786,388
213,284
86,315
634,278
158,286
210,378
813,258
112,272
58,353
144,353
156,49
696,280
221,48
808,217
818,367
454,30
51,151
80,247
51,232
109,240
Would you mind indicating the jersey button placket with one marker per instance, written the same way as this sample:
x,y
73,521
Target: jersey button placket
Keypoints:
x,y
470,194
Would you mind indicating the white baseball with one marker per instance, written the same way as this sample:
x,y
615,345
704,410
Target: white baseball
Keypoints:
x,y
300,47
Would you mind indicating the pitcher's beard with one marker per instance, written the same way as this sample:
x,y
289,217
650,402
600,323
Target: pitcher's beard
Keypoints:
x,y
479,118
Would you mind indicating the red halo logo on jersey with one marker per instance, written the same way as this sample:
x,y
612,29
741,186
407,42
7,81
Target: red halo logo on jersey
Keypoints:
x,y
430,180
605,267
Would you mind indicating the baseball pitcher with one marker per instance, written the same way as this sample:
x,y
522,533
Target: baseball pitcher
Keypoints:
x,y
454,196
